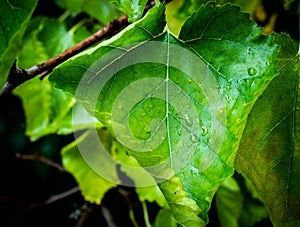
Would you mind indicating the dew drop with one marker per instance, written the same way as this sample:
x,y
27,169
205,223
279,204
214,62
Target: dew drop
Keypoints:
x,y
252,71
190,80
193,172
188,120
204,131
193,138
179,91
248,50
179,131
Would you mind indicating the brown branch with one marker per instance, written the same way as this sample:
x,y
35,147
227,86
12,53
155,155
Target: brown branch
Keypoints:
x,y
38,157
85,212
18,76
56,197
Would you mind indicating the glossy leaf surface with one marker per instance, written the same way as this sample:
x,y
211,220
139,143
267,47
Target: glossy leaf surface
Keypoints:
x,y
14,18
133,8
180,109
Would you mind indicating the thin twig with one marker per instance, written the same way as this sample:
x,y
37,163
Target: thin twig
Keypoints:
x,y
56,197
38,157
107,216
85,212
18,76
146,216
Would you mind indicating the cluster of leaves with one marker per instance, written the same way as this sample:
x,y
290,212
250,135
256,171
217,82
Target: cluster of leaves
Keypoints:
x,y
257,77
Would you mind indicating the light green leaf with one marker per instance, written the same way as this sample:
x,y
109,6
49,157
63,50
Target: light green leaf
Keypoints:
x,y
229,203
133,8
46,113
165,218
14,17
184,209
269,154
93,187
132,169
151,194
50,111
178,104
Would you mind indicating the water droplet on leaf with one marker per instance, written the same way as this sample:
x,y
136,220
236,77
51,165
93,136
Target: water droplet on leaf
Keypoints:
x,y
188,120
252,71
204,131
193,138
179,131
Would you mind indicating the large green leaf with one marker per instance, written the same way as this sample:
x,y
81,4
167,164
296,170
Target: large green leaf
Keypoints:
x,y
178,104
14,17
269,152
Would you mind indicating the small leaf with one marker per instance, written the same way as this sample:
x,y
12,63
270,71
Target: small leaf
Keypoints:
x,y
184,209
151,194
102,10
165,218
93,187
14,17
50,111
229,203
269,151
54,36
133,8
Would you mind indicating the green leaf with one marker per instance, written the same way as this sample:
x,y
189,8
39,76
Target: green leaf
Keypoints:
x,y
236,207
151,191
242,61
165,218
178,104
50,111
184,209
46,113
151,194
229,203
14,17
54,36
102,10
133,8
93,187
269,151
